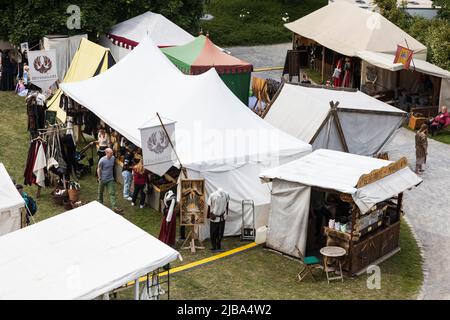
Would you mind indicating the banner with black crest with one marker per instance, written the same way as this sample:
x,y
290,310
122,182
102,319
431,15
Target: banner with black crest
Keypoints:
x,y
157,152
43,69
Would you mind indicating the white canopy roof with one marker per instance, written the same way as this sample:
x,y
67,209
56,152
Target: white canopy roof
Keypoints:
x,y
10,199
301,110
386,61
347,29
340,171
79,254
161,30
214,130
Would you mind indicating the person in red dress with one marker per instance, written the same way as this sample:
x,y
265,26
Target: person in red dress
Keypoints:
x,y
167,232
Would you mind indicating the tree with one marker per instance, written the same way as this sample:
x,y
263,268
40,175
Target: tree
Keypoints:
x,y
444,8
29,20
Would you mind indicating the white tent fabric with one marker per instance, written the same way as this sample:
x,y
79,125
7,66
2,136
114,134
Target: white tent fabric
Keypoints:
x,y
217,137
326,169
347,29
386,61
10,203
79,254
367,123
340,171
65,47
161,30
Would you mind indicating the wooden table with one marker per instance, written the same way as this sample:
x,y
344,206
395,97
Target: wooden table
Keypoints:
x,y
332,252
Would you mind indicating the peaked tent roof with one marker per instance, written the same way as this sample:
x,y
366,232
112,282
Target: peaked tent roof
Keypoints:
x,y
161,30
10,199
301,111
106,250
212,125
201,54
89,60
346,28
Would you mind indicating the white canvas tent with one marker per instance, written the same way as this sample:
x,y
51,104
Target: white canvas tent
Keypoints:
x,y
217,136
329,170
123,37
65,47
11,204
347,29
387,76
80,254
305,112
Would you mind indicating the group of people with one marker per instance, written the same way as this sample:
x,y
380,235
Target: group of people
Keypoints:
x,y
432,126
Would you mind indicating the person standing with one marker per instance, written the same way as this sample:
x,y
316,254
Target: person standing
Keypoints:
x,y
421,147
127,175
105,174
140,180
217,212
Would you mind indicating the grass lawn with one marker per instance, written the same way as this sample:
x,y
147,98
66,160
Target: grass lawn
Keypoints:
x,y
255,274
262,25
443,135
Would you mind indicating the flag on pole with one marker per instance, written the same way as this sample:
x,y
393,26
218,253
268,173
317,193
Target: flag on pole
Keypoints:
x,y
157,153
403,56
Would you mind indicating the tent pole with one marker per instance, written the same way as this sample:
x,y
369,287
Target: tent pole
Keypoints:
x,y
136,289
323,63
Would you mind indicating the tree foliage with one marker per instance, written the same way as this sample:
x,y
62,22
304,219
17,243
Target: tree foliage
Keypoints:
x,y
434,33
29,20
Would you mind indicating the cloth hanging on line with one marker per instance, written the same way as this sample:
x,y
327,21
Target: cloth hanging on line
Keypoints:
x,y
39,165
29,173
167,232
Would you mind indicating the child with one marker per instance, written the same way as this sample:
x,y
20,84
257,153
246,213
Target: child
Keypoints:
x,y
140,179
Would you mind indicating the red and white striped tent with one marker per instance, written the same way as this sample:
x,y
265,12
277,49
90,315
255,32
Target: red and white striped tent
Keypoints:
x,y
123,37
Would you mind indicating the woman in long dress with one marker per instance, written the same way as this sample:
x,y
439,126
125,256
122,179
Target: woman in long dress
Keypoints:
x,y
421,147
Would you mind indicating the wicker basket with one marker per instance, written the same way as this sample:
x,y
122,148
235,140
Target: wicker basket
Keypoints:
x,y
74,195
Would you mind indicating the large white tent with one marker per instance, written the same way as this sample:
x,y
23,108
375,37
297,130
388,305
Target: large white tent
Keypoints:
x,y
217,137
305,112
11,204
123,37
80,254
347,29
329,170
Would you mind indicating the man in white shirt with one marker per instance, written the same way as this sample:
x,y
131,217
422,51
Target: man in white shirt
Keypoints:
x,y
217,212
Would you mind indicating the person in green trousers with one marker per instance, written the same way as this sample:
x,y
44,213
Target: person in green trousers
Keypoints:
x,y
105,174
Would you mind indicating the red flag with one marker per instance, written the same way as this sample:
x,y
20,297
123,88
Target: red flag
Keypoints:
x,y
403,56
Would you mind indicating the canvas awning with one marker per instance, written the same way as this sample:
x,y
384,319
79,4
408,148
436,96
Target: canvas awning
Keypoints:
x,y
340,171
386,61
79,254
89,60
347,29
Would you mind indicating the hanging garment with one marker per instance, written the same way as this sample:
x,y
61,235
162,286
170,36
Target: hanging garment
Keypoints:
x,y
167,232
39,165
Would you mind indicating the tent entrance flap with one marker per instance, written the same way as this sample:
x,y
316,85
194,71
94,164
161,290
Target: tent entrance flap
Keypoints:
x,y
288,220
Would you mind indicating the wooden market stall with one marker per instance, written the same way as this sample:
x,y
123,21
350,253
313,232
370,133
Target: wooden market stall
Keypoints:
x,y
332,198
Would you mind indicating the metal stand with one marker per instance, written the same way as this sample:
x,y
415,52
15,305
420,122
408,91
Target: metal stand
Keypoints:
x,y
248,232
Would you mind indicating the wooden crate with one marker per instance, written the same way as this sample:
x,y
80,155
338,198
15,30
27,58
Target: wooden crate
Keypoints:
x,y
416,122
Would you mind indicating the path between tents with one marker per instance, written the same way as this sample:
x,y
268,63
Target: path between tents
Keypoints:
x,y
427,209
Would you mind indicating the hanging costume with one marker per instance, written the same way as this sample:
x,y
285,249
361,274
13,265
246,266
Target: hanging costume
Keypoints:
x,y
36,163
168,229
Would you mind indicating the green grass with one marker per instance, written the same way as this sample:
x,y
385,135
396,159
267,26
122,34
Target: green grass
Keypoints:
x,y
442,136
263,25
255,274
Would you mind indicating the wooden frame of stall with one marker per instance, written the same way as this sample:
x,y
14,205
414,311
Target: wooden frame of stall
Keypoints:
x,y
375,242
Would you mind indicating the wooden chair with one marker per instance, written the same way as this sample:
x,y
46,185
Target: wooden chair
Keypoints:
x,y
309,263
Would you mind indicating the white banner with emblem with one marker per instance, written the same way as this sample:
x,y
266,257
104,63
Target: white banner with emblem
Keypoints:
x,y
157,153
43,70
